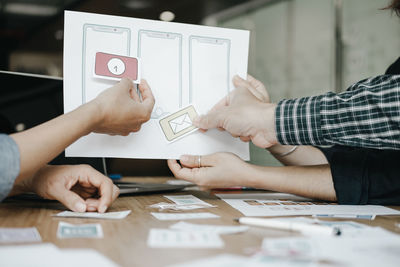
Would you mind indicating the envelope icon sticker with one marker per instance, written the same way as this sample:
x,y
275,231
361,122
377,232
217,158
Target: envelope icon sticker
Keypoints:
x,y
178,124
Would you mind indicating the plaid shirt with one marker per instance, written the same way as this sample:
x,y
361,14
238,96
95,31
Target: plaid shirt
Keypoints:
x,y
366,115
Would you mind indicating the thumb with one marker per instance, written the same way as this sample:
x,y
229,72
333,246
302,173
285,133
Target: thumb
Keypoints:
x,y
147,94
213,119
125,84
71,200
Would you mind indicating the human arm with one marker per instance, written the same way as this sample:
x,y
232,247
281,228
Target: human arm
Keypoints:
x,y
227,170
117,110
366,115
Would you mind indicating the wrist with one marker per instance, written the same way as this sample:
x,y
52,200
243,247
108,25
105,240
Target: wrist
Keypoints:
x,y
95,115
268,117
281,150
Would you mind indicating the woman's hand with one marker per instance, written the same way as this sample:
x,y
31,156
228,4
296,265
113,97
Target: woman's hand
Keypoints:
x,y
79,187
215,171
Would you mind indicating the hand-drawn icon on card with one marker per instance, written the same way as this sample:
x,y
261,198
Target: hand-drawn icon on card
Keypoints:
x,y
115,67
178,124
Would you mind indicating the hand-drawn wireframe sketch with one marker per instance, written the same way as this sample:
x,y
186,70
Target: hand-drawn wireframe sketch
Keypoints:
x,y
100,38
178,124
179,61
162,68
209,56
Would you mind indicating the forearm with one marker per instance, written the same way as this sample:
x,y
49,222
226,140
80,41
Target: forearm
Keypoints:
x,y
366,115
42,143
302,155
308,181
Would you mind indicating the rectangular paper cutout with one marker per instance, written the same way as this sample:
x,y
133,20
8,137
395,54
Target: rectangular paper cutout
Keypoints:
x,y
178,124
115,67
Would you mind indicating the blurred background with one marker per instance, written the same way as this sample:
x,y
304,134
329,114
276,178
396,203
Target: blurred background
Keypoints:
x,y
297,48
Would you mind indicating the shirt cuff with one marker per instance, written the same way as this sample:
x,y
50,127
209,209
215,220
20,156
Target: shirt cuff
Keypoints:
x,y
298,121
9,164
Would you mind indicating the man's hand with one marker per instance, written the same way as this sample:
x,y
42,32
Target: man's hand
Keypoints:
x,y
79,187
217,170
245,113
121,110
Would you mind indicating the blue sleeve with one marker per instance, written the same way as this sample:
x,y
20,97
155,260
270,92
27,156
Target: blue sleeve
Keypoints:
x,y
9,164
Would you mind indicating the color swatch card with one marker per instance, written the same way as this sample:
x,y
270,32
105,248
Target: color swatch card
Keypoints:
x,y
183,64
281,204
67,230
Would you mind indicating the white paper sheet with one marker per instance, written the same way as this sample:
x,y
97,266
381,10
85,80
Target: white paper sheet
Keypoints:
x,y
164,238
372,246
279,204
48,255
184,64
183,216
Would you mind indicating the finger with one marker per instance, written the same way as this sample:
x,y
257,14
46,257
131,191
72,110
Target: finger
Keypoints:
x,y
92,204
245,138
179,172
105,188
212,119
134,95
147,94
191,161
259,86
241,83
115,192
70,199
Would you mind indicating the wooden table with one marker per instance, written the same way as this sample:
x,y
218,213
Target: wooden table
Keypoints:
x,y
125,240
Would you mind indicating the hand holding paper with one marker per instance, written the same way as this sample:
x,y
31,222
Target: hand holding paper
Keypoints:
x,y
244,113
120,109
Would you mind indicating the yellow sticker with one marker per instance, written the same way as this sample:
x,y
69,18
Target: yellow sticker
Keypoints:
x,y
178,124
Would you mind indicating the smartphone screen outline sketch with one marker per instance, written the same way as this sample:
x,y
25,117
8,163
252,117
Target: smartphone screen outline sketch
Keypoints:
x,y
88,59
161,38
214,57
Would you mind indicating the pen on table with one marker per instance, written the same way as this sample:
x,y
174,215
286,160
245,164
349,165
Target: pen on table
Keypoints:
x,y
305,228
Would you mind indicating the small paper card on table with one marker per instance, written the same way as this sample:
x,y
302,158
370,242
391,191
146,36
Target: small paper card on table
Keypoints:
x,y
183,216
178,124
218,229
95,215
19,235
164,238
66,230
188,200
